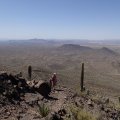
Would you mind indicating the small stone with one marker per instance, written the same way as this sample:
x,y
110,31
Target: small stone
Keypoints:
x,y
13,108
107,100
102,107
56,117
62,112
88,92
6,110
90,103
107,110
8,113
36,117
65,97
8,81
4,93
5,117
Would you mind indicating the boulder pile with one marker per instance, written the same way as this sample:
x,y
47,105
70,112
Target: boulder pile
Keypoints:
x,y
13,88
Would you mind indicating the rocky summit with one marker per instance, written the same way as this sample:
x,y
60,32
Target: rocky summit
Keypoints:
x,y
21,100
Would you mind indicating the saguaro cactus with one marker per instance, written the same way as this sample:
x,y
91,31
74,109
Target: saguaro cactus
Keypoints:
x,y
82,78
29,72
119,99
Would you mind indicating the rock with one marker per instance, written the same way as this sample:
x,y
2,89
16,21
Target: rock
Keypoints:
x,y
56,116
74,95
62,112
36,117
107,110
5,117
102,107
88,92
11,87
43,88
8,81
42,119
13,108
90,103
3,72
78,102
8,113
18,117
107,101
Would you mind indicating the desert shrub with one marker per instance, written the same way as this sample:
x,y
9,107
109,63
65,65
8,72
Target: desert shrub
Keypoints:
x,y
115,106
80,114
83,115
100,116
96,99
43,110
78,93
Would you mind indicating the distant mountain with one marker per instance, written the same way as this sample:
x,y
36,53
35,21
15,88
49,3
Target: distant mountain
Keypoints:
x,y
107,51
82,42
74,47
29,42
104,51
42,41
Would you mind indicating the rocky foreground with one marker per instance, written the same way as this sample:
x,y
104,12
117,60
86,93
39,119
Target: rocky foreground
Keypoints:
x,y
23,100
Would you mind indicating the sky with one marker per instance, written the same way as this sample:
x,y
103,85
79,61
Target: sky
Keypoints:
x,y
60,19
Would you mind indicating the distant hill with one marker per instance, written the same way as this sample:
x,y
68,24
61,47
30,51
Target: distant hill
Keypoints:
x,y
74,47
29,42
104,51
57,42
107,51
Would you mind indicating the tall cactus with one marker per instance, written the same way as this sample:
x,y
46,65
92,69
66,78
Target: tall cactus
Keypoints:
x,y
82,78
119,99
29,72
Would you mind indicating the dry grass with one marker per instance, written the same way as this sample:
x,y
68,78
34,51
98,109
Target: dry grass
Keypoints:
x,y
43,110
80,114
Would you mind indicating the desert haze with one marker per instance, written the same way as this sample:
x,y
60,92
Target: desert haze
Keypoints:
x,y
101,71
102,66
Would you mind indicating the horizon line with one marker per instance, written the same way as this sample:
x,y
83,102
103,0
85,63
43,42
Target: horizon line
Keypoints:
x,y
64,39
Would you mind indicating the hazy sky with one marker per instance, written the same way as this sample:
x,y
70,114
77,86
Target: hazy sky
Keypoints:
x,y
61,19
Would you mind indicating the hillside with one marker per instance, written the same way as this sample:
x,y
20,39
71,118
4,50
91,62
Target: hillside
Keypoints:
x,y
21,100
74,47
101,64
102,70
